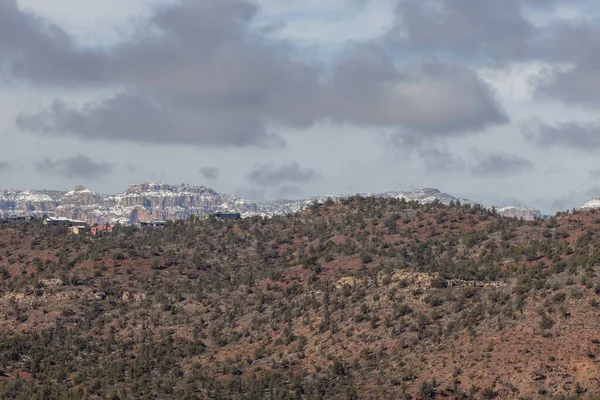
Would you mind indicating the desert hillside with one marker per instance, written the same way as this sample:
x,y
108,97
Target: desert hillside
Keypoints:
x,y
367,298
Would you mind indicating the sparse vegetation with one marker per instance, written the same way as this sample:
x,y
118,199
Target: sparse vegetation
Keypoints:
x,y
366,298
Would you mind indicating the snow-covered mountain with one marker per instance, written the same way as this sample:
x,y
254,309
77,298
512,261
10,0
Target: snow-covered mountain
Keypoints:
x,y
426,195
29,202
140,202
524,212
157,201
592,204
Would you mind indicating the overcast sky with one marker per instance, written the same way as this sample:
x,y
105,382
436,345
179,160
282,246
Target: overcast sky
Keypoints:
x,y
494,101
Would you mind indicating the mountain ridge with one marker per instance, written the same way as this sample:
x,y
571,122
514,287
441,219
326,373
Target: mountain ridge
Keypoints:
x,y
593,203
146,201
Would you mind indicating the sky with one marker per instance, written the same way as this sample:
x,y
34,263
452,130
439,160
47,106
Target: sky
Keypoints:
x,y
494,101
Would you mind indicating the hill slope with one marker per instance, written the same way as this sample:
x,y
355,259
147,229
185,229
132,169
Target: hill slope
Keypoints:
x,y
365,298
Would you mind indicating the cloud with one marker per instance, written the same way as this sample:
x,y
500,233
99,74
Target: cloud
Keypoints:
x,y
577,44
199,73
441,160
290,191
470,28
481,31
582,137
421,99
4,166
75,167
569,40
579,85
269,175
507,202
36,50
210,173
595,175
563,203
593,191
500,164
132,117
491,33
251,193
434,152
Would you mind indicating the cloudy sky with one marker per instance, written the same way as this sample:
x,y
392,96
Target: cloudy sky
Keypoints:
x,y
490,100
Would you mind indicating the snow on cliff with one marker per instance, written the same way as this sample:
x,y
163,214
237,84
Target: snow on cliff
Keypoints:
x,y
524,212
592,204
158,201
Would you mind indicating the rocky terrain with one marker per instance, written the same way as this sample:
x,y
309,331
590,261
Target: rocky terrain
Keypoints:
x,y
29,202
364,298
524,212
592,204
157,201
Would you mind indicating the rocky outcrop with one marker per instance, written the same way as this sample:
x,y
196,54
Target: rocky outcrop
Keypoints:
x,y
82,204
426,195
157,201
521,212
593,204
29,202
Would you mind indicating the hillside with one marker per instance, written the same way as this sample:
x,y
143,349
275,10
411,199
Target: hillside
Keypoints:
x,y
363,298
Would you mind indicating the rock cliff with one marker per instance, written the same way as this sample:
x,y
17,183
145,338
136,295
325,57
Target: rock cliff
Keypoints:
x,y
158,201
29,202
526,213
592,204
82,204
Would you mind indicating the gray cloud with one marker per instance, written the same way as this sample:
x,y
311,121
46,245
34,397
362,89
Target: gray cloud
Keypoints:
x,y
483,31
210,173
251,193
575,136
593,191
441,160
595,175
468,27
34,49
269,175
4,166
563,203
576,42
569,40
290,192
500,164
435,152
75,167
480,31
579,85
511,201
198,73
135,118
432,98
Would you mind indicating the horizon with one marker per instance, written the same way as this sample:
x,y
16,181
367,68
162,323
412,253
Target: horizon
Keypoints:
x,y
262,201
